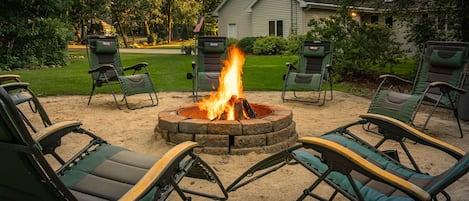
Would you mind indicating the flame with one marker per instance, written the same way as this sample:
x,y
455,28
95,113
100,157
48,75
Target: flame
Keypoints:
x,y
229,89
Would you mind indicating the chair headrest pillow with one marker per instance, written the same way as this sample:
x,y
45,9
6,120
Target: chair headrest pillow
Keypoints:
x,y
106,47
313,51
214,47
452,59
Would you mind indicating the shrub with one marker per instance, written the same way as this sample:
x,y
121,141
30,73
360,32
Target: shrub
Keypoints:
x,y
246,44
270,45
231,41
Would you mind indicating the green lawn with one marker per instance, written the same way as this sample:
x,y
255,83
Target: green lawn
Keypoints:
x,y
167,71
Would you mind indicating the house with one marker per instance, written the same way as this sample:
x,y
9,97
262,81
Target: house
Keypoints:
x,y
243,18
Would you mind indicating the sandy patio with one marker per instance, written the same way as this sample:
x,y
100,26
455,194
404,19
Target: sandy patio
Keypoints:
x,y
134,129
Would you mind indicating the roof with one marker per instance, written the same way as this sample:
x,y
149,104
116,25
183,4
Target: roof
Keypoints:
x,y
322,4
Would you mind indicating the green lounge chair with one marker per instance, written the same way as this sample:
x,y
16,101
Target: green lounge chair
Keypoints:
x,y
438,82
98,171
106,69
314,72
357,170
21,93
206,69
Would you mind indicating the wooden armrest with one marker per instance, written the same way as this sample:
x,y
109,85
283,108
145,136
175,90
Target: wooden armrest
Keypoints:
x,y
102,68
157,171
8,77
54,128
15,85
416,135
137,66
447,87
365,167
395,79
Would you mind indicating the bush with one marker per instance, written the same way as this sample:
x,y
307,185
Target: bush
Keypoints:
x,y
44,44
231,41
246,44
270,45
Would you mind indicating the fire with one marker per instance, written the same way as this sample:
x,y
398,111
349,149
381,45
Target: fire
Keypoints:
x,y
229,90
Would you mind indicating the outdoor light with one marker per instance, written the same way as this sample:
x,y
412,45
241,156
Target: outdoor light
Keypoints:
x,y
353,13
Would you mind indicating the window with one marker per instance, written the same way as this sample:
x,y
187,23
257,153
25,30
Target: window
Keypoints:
x,y
374,19
389,21
276,28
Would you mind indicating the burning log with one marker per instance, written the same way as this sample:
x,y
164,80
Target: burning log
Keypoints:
x,y
242,109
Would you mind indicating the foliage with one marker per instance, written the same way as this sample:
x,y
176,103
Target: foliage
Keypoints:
x,y
246,44
269,45
357,48
188,47
33,34
231,41
432,20
293,44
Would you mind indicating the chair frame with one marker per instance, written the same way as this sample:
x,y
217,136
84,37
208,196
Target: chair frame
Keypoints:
x,y
165,173
427,95
108,74
194,76
326,74
335,155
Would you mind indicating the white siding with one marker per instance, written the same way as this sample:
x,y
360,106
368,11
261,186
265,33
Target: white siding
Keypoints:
x,y
312,14
234,12
270,10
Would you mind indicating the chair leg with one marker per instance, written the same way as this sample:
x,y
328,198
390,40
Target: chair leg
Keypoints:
x,y
91,94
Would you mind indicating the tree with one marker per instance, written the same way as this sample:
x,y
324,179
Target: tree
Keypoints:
x,y
33,33
357,47
431,19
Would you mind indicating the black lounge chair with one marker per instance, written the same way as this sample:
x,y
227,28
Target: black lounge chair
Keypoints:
x,y
357,170
313,74
98,171
106,69
438,82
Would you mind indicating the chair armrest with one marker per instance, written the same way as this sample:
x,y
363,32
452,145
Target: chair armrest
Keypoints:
x,y
155,173
290,66
56,130
9,77
329,68
15,85
404,130
101,69
446,87
341,155
137,66
193,64
395,79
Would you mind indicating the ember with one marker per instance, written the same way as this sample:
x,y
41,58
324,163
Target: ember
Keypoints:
x,y
228,102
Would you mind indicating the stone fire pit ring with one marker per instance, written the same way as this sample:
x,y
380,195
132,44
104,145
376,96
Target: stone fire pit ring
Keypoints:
x,y
270,132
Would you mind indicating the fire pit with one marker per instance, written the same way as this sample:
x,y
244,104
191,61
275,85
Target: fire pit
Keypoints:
x,y
225,123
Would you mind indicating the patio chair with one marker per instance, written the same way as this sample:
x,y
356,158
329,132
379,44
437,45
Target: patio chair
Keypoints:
x,y
207,68
106,69
314,72
438,82
98,171
357,170
21,93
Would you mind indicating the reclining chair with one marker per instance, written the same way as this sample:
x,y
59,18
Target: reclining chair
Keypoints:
x,y
21,93
106,69
357,170
314,72
99,171
207,68
438,82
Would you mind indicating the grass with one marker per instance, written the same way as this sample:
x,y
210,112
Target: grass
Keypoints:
x,y
167,71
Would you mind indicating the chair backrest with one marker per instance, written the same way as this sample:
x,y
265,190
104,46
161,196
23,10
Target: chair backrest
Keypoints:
x,y
314,56
210,53
25,174
104,50
443,62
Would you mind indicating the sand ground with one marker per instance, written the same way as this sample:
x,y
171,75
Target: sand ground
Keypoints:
x,y
134,129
